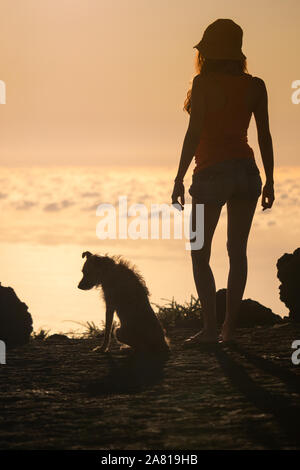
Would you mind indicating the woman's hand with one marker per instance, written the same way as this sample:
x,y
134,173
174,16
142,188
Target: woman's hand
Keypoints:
x,y
178,192
268,195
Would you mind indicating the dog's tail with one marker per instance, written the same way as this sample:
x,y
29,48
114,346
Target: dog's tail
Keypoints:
x,y
86,254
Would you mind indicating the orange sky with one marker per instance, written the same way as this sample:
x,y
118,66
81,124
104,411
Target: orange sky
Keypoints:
x,y
101,81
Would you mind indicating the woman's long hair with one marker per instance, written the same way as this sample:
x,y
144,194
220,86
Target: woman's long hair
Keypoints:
x,y
206,66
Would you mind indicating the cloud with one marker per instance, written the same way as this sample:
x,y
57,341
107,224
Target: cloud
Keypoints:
x,y
66,203
72,196
90,194
57,206
24,205
91,208
53,207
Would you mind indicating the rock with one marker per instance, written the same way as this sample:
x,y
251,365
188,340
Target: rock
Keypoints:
x,y
252,313
15,320
288,272
57,337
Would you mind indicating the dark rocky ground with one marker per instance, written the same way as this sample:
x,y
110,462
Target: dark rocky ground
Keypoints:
x,y
60,395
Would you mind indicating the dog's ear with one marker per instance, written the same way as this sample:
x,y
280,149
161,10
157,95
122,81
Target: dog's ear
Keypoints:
x,y
86,254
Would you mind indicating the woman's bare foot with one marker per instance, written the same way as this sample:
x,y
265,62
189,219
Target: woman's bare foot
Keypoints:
x,y
227,333
202,337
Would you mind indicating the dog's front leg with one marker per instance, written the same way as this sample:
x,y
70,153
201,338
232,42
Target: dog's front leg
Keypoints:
x,y
107,334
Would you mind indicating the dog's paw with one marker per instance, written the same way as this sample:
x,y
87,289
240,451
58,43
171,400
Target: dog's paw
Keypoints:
x,y
100,349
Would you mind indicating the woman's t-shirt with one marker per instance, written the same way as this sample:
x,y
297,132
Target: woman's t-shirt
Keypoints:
x,y
226,121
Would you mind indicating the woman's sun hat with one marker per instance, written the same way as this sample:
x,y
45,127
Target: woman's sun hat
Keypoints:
x,y
222,39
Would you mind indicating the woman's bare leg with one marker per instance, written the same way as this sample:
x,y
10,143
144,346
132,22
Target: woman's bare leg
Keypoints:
x,y
203,276
239,219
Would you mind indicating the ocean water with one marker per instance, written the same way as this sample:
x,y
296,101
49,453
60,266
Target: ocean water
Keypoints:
x,y
48,218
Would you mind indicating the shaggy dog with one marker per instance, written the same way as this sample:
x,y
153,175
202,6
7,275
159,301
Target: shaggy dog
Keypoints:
x,y
125,292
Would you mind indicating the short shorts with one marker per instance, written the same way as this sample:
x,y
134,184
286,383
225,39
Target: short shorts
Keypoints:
x,y
237,178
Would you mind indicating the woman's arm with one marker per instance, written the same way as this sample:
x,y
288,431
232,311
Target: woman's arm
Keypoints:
x,y
192,136
263,130
265,142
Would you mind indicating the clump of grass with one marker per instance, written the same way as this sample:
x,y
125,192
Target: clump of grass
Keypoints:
x,y
41,335
174,314
91,330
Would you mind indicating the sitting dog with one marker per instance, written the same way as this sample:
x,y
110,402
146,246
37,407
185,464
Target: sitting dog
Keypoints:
x,y
125,292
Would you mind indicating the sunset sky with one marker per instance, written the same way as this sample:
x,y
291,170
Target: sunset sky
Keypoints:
x,y
101,81
95,90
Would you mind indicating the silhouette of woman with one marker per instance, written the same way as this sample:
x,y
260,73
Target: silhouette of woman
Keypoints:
x,y
220,103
